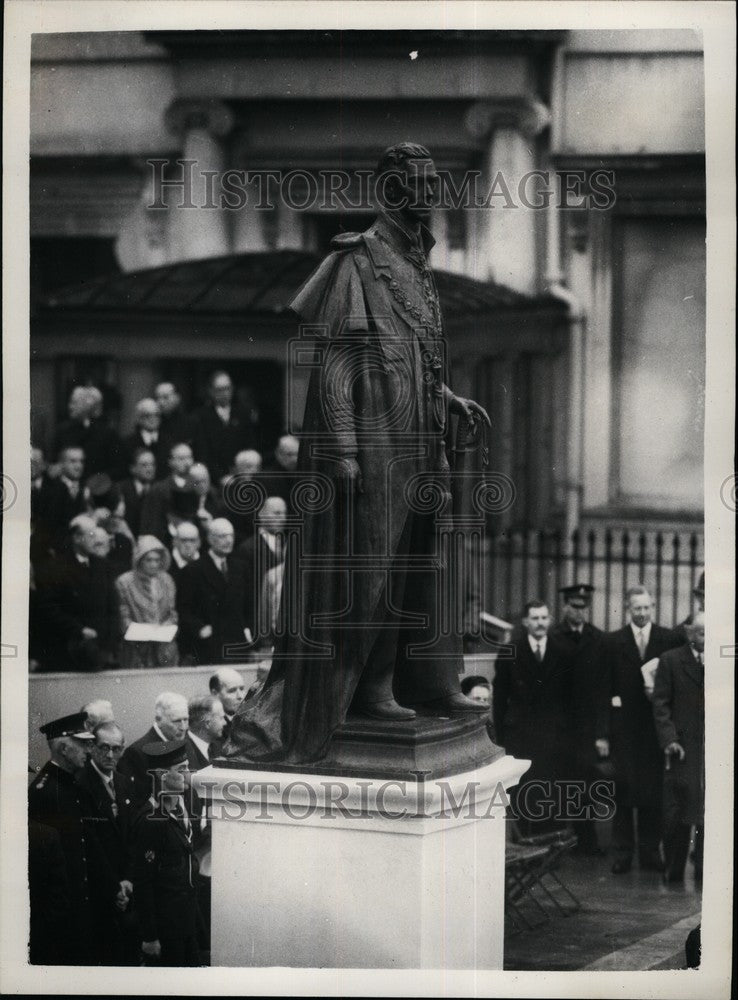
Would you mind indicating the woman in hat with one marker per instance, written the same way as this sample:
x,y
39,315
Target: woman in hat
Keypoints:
x,y
147,594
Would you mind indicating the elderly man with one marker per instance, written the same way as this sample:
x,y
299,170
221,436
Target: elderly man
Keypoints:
x,y
112,795
235,497
532,708
280,473
88,429
221,427
628,730
175,424
147,434
679,714
78,600
171,721
228,685
260,554
97,712
212,599
165,867
93,890
207,506
158,502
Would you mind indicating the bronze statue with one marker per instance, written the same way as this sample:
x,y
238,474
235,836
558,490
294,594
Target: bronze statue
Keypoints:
x,y
365,574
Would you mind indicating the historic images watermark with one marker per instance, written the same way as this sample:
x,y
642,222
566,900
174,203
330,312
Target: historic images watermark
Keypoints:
x,y
182,184
564,801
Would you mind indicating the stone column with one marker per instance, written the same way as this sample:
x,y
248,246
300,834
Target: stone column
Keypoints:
x,y
198,224
506,229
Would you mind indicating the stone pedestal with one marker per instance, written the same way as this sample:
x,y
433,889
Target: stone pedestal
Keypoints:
x,y
323,871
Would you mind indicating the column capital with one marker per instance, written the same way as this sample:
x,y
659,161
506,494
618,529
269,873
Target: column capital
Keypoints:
x,y
212,115
528,115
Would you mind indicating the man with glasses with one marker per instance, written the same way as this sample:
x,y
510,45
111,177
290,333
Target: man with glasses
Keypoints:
x,y
111,793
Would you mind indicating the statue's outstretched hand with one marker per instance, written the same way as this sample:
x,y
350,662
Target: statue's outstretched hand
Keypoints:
x,y
349,475
469,410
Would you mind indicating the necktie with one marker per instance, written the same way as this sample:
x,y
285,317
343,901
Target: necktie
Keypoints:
x,y
224,567
539,653
73,490
642,643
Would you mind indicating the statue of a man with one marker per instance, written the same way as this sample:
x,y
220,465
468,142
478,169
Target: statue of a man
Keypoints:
x,y
362,586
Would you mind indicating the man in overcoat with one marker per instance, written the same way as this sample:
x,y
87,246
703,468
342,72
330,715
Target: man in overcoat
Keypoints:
x,y
364,585
584,644
532,711
679,714
164,867
58,802
628,728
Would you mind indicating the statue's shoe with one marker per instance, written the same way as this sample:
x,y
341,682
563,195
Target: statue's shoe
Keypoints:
x,y
387,710
458,703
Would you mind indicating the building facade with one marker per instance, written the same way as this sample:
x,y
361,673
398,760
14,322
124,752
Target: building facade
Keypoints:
x,y
590,353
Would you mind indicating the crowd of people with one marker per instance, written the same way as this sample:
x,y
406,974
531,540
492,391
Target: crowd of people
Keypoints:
x,y
147,550
613,724
119,842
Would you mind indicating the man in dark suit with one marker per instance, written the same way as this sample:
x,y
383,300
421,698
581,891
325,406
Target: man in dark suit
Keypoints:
x,y
88,429
56,801
259,554
147,434
679,714
227,685
54,502
112,795
531,705
158,502
211,599
280,471
221,428
585,647
176,425
628,730
171,721
207,722
136,488
78,599
165,866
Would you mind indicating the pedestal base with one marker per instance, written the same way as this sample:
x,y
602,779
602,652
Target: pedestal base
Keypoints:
x,y
428,746
319,871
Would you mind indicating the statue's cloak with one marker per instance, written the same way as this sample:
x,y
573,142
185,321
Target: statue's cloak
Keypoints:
x,y
371,317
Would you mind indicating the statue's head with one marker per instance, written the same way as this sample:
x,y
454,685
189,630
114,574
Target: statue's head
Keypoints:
x,y
407,181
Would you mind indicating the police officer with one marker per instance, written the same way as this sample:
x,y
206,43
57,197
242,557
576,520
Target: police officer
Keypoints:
x,y
164,868
584,644
56,801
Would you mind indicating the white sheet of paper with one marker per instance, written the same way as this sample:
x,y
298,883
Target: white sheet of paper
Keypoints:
x,y
144,632
648,672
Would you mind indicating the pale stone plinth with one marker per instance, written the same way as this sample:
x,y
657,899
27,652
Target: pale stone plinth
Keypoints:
x,y
315,871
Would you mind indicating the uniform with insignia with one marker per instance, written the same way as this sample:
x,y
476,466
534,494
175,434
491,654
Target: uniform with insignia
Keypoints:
x,y
55,800
584,645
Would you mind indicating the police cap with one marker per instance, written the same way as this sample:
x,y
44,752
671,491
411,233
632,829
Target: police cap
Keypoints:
x,y
68,725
